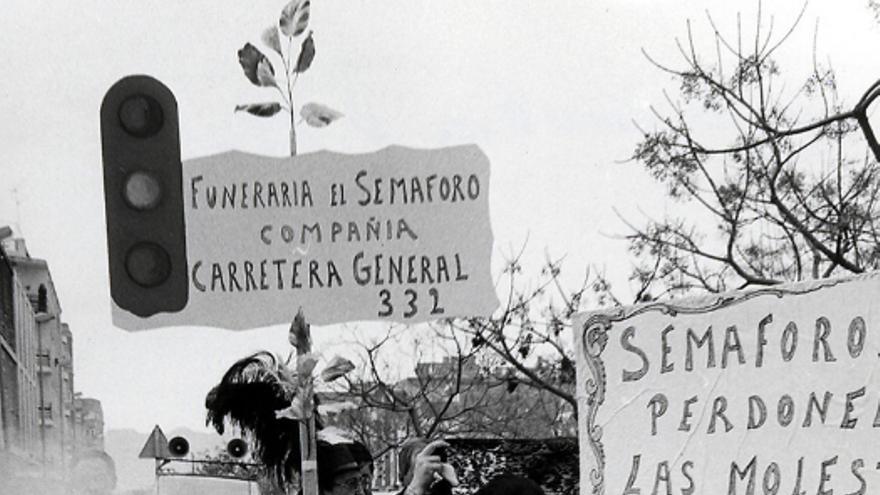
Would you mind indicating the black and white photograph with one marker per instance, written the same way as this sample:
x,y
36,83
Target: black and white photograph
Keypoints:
x,y
329,247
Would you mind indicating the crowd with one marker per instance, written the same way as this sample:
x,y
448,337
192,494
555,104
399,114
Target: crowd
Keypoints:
x,y
260,395
345,467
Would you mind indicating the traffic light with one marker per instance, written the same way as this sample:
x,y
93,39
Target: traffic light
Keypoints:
x,y
143,197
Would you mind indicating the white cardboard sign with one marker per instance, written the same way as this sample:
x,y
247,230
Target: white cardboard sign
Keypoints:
x,y
398,235
770,391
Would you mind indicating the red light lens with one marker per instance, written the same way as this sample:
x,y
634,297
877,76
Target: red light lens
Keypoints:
x,y
141,116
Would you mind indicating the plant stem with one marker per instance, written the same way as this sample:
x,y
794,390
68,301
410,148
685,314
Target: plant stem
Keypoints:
x,y
292,125
292,137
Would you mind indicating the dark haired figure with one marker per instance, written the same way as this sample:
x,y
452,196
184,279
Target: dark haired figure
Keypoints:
x,y
509,484
345,465
338,471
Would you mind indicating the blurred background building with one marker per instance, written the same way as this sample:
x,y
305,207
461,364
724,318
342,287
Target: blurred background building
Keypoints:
x,y
44,423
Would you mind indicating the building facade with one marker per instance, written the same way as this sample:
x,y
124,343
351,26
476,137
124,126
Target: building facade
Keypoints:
x,y
89,423
20,434
43,423
40,290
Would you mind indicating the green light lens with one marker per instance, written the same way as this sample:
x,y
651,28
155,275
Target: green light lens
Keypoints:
x,y
148,264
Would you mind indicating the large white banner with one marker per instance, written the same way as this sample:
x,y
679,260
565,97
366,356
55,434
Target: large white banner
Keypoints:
x,y
400,234
770,391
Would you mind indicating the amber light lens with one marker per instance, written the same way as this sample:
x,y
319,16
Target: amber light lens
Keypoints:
x,y
142,191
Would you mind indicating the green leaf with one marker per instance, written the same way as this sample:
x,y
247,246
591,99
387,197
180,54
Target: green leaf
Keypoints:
x,y
299,334
295,411
271,39
305,364
265,73
294,18
251,59
336,368
317,115
306,54
260,109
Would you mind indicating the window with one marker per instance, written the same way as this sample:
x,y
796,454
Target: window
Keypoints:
x,y
45,411
44,359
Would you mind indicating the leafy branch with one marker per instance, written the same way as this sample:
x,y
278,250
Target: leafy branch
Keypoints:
x,y
789,183
292,24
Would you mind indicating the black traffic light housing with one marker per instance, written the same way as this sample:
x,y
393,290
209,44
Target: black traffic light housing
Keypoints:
x,y
143,197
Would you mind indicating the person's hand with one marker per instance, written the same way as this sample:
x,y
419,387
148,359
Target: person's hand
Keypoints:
x,y
428,467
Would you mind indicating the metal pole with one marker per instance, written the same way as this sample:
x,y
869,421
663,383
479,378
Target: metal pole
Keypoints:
x,y
307,442
157,476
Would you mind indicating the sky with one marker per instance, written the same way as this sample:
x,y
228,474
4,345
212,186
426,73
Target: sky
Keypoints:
x,y
548,90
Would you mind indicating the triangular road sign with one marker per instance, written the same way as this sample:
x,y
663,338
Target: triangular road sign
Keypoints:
x,y
156,446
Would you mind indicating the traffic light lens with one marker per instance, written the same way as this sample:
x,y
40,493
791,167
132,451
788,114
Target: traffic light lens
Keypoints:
x,y
147,264
142,190
141,116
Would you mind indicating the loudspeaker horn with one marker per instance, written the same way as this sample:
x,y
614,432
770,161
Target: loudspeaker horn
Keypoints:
x,y
178,446
237,447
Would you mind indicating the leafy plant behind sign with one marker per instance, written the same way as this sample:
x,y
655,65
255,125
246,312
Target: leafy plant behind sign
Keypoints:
x,y
257,67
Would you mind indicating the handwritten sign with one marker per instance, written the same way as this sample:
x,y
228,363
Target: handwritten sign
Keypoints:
x,y
399,235
771,391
